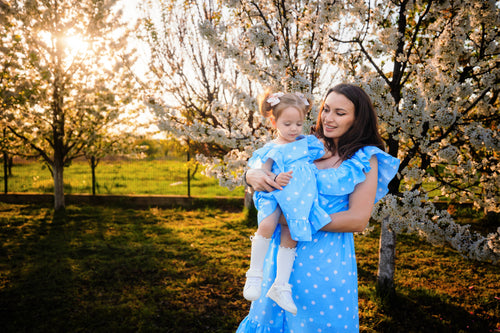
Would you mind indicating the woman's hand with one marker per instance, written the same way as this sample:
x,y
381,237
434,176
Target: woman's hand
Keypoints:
x,y
263,180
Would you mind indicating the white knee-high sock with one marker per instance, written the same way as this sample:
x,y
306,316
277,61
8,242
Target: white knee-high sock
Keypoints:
x,y
260,245
284,262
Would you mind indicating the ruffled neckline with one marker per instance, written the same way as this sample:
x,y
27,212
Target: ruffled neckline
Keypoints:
x,y
343,179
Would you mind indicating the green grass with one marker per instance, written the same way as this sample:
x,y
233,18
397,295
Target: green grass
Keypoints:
x,y
154,177
111,269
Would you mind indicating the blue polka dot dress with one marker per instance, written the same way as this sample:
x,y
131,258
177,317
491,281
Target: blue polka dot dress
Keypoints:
x,y
324,277
299,199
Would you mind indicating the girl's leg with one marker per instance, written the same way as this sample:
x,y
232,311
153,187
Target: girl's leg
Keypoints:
x,y
286,256
281,291
260,245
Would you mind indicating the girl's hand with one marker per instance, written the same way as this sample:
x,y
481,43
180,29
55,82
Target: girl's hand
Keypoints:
x,y
283,178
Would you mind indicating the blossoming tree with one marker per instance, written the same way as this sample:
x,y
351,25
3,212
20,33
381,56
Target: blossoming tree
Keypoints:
x,y
432,69
74,54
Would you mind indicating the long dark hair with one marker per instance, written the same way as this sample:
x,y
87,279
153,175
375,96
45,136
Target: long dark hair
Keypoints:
x,y
363,132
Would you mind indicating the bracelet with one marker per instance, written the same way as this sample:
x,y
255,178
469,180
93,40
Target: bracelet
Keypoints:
x,y
245,179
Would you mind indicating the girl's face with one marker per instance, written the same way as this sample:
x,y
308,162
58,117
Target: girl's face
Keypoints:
x,y
337,116
289,125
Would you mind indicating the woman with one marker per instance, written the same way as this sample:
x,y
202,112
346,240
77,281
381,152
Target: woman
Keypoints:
x,y
324,277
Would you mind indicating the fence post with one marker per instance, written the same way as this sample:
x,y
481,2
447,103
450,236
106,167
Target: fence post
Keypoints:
x,y
188,174
5,171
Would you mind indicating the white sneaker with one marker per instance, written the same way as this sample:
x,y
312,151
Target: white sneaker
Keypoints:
x,y
282,295
253,285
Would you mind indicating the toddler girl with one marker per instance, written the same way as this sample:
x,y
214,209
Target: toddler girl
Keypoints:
x,y
298,201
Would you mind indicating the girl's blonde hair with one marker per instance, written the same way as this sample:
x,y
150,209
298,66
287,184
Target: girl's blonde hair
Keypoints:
x,y
274,104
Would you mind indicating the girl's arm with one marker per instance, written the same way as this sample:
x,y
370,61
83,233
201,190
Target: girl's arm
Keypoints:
x,y
361,202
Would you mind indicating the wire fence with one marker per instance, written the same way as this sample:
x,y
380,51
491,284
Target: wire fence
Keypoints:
x,y
148,177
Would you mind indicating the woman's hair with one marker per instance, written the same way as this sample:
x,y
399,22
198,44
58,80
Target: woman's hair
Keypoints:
x,y
274,104
364,130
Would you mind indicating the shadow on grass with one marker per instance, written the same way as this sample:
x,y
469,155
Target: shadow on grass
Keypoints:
x,y
432,290
420,311
96,269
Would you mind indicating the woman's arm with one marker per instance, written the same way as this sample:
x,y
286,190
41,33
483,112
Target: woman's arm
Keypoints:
x,y
263,180
361,202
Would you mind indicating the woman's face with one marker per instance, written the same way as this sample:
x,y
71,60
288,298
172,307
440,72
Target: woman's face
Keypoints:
x,y
338,116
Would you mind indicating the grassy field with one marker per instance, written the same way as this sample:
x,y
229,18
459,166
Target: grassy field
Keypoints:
x,y
157,177
111,269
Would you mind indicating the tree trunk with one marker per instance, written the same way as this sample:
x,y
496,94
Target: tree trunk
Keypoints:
x,y
248,198
59,203
387,256
10,164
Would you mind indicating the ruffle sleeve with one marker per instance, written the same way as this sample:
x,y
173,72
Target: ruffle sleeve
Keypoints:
x,y
342,180
261,155
316,147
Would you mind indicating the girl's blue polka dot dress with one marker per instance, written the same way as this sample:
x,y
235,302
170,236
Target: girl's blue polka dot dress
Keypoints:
x,y
324,278
299,199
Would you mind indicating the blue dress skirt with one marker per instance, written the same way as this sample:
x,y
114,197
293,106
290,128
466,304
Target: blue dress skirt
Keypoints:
x,y
324,277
